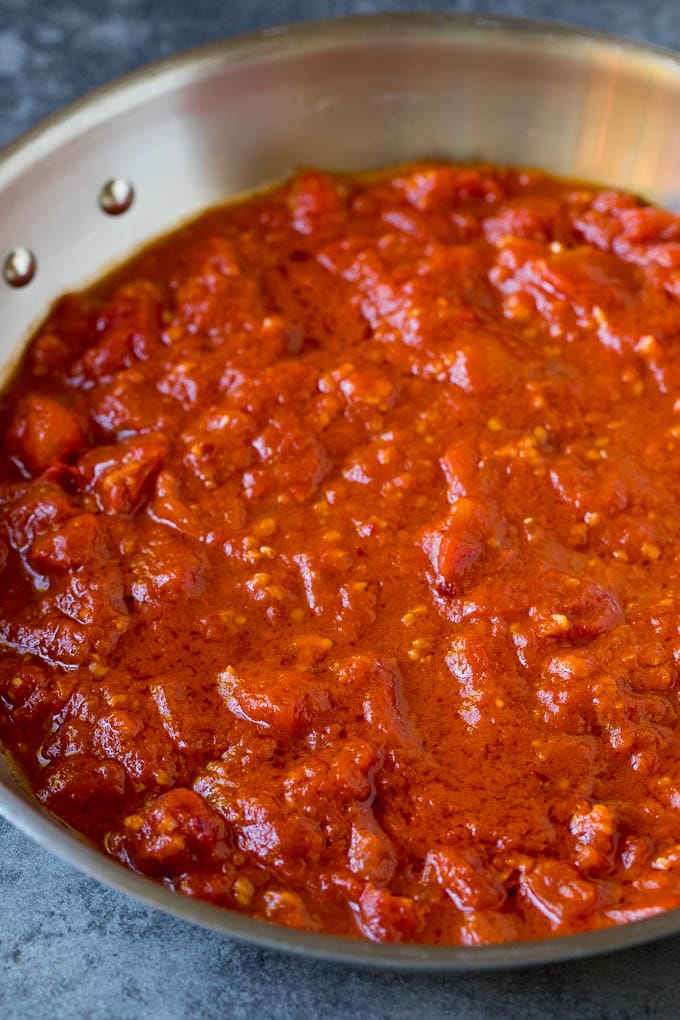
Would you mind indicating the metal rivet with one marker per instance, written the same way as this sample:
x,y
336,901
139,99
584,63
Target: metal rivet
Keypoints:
x,y
116,196
19,267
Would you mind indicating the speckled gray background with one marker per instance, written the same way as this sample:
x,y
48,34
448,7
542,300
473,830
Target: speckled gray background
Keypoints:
x,y
70,948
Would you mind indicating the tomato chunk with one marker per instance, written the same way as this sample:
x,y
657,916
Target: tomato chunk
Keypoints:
x,y
43,433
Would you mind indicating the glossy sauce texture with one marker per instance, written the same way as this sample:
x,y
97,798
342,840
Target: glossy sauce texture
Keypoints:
x,y
339,557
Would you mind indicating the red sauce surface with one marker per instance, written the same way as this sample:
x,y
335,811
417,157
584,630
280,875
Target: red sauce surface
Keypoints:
x,y
340,557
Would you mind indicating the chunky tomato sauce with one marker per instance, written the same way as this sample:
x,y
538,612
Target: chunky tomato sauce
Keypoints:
x,y
340,557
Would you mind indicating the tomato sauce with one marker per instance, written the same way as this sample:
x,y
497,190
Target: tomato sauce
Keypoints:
x,y
340,557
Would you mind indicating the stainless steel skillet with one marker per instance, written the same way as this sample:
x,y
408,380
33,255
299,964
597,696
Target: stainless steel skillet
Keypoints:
x,y
350,94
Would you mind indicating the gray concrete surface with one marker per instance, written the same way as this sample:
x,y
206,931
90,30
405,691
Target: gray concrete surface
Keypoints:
x,y
69,948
